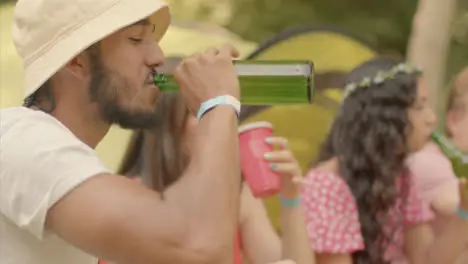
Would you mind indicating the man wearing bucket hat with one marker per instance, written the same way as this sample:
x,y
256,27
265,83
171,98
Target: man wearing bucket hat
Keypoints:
x,y
88,64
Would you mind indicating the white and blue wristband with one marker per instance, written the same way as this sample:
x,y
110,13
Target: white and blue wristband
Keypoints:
x,y
217,101
462,213
290,202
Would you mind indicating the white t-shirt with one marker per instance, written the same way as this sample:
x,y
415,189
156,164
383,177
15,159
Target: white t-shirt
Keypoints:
x,y
40,162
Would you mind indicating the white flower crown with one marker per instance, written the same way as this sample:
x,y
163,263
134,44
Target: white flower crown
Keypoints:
x,y
380,77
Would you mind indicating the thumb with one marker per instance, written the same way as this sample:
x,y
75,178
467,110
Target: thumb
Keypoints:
x,y
229,50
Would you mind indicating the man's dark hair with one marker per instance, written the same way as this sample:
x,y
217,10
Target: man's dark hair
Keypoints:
x,y
43,93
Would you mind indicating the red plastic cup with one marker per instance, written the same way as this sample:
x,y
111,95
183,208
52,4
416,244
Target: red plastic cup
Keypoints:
x,y
262,180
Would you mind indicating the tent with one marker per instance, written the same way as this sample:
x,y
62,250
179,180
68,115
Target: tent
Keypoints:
x,y
333,52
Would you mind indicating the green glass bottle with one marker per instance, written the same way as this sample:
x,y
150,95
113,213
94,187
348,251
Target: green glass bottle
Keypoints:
x,y
265,82
458,159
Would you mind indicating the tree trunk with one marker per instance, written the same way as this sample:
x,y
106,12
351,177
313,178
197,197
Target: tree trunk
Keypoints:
x,y
429,44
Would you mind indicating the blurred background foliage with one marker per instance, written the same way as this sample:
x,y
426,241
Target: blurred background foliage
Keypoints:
x,y
384,25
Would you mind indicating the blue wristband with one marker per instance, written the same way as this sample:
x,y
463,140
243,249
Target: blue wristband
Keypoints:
x,y
462,213
219,100
290,202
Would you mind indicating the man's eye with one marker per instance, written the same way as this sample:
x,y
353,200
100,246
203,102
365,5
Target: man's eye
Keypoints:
x,y
136,39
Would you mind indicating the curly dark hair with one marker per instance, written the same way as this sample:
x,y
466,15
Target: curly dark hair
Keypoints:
x,y
368,137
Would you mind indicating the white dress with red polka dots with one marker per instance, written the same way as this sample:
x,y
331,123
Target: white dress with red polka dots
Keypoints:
x,y
332,217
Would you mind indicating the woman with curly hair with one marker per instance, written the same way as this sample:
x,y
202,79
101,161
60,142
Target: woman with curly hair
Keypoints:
x,y
360,201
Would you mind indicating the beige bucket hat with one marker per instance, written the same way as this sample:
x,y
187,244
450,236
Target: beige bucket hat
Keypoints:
x,y
49,33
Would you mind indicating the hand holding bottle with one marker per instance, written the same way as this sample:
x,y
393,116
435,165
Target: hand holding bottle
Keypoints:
x,y
207,75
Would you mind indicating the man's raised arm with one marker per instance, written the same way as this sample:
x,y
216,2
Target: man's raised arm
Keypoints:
x,y
116,219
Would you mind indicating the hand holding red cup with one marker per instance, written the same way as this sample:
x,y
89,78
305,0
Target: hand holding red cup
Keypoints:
x,y
283,162
268,165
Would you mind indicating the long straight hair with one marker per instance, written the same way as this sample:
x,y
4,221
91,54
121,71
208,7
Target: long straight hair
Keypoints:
x,y
158,153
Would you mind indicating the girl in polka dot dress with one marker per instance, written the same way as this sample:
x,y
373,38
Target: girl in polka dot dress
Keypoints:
x,y
360,203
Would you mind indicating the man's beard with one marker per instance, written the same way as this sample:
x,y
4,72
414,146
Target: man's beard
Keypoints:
x,y
103,91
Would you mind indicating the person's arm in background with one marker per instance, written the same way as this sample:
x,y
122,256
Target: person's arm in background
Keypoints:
x,y
117,219
435,180
261,243
436,184
423,248
196,222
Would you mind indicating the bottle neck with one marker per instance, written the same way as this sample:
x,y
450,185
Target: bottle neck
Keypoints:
x,y
447,146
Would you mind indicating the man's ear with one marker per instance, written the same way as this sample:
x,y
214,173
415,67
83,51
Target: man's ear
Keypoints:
x,y
79,66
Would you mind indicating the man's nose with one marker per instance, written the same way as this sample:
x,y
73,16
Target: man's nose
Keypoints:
x,y
154,56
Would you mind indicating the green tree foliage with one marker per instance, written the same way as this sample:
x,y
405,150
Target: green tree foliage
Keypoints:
x,y
386,25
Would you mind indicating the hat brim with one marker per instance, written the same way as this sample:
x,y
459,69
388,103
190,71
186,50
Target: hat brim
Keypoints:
x,y
118,16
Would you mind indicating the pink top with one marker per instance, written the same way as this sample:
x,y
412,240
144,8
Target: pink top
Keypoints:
x,y
433,173
332,217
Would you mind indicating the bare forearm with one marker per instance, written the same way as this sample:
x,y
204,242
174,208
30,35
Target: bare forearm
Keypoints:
x,y
295,244
200,210
208,194
450,245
